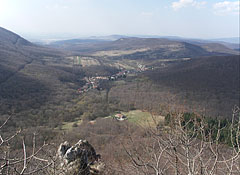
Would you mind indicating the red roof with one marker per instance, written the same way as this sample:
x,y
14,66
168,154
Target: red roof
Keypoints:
x,y
119,115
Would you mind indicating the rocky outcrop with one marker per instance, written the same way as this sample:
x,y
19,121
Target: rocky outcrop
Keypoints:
x,y
80,159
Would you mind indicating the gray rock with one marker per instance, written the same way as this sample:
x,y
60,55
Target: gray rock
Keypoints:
x,y
80,159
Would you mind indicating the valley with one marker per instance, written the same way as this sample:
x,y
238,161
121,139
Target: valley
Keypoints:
x,y
57,78
70,90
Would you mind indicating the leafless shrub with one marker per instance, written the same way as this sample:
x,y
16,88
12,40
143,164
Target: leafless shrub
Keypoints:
x,y
32,160
187,147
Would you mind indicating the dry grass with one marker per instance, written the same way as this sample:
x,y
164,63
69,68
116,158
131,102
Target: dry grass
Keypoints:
x,y
144,119
119,52
70,125
88,61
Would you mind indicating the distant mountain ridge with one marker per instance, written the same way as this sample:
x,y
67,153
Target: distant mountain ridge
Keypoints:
x,y
235,40
109,37
153,48
76,41
96,41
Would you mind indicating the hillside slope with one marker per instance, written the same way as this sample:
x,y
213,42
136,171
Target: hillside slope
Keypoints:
x,y
33,78
11,39
208,85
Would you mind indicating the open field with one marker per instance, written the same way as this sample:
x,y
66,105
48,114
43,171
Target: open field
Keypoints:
x,y
84,61
142,118
138,117
127,64
88,61
70,125
119,52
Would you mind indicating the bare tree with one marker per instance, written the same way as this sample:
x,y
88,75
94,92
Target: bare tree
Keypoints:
x,y
79,159
188,146
27,163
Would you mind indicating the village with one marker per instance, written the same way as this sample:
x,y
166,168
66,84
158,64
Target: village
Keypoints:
x,y
94,82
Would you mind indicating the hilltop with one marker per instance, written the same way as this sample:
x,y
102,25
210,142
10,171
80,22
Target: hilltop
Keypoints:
x,y
9,38
145,48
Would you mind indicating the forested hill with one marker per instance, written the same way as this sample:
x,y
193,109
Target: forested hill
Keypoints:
x,y
10,39
32,77
16,53
145,48
208,85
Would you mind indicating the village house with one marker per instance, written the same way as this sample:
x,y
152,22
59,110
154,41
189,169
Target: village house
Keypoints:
x,y
120,117
112,78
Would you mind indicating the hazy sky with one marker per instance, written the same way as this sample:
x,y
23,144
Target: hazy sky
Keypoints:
x,y
186,18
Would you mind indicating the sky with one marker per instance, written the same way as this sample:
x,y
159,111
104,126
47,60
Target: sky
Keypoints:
x,y
81,18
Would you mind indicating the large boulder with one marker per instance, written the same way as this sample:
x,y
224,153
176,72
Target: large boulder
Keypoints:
x,y
80,159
